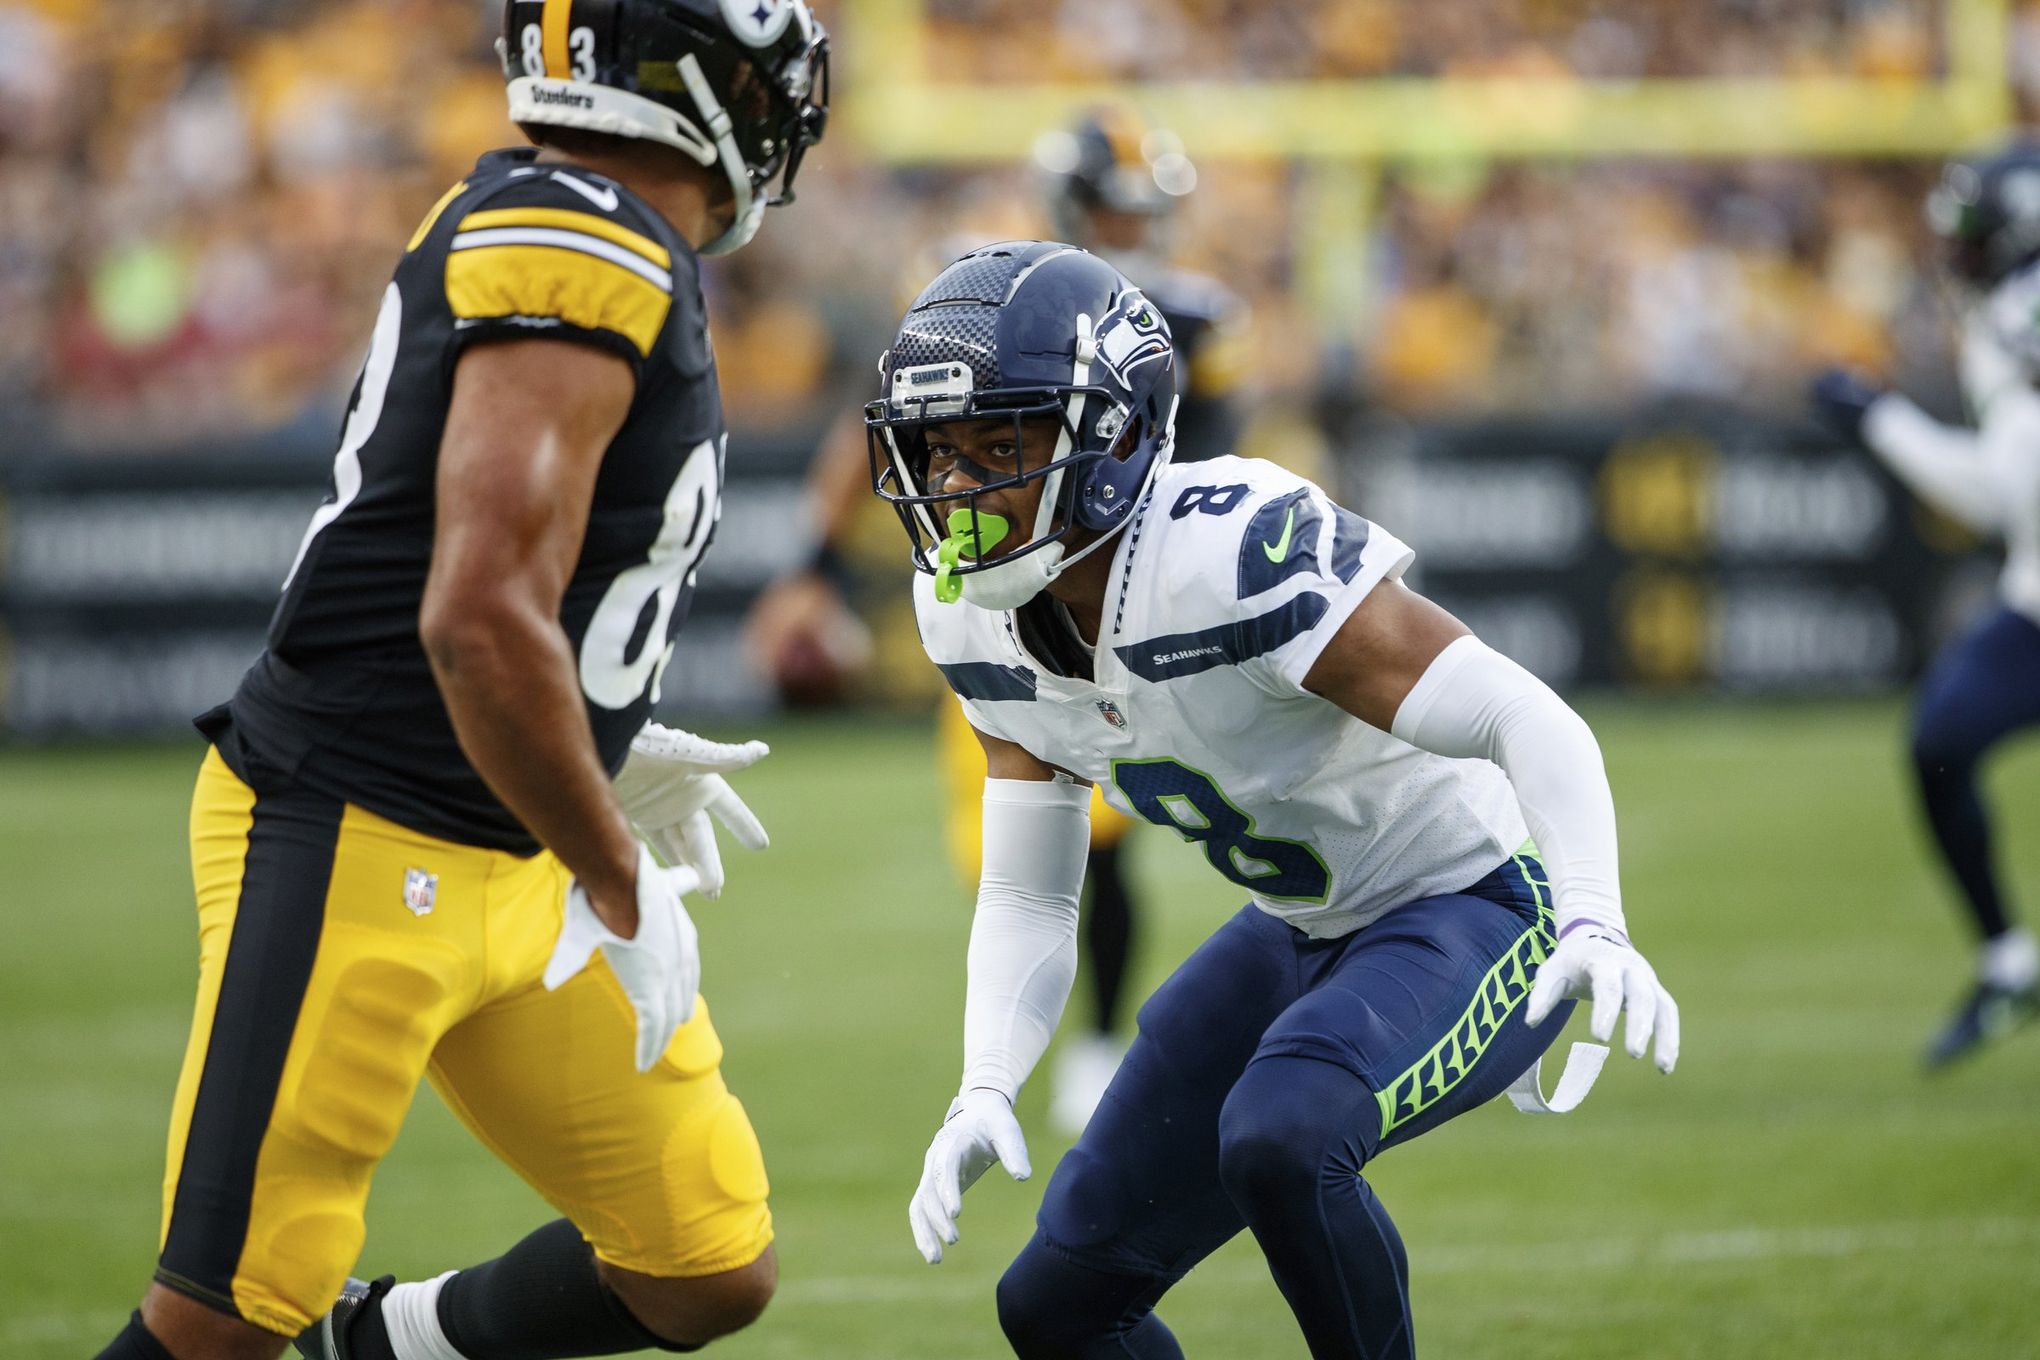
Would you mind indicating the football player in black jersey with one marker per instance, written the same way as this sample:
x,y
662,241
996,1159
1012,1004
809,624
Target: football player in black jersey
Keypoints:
x,y
406,841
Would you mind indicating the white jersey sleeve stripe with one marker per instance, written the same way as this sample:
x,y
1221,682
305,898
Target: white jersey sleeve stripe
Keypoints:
x,y
566,240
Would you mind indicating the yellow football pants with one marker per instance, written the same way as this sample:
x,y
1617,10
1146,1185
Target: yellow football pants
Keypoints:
x,y
342,958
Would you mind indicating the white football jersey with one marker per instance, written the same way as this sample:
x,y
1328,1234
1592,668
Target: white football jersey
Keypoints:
x,y
1232,578
2000,368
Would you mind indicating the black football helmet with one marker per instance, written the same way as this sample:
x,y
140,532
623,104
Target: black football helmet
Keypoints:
x,y
1112,158
1986,211
1019,331
743,83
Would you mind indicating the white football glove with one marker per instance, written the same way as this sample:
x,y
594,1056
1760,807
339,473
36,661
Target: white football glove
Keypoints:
x,y
672,781
659,967
1600,963
979,1129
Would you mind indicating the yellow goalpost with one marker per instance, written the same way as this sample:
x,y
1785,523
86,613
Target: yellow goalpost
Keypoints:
x,y
1343,132
904,112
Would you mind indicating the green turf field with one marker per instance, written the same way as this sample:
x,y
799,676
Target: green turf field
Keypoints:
x,y
1796,1190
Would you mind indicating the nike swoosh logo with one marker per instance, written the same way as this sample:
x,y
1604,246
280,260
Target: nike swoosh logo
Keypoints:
x,y
604,199
1279,549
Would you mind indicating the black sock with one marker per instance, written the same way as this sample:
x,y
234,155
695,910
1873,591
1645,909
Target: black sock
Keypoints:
x,y
540,1300
368,1336
1108,933
135,1342
1955,811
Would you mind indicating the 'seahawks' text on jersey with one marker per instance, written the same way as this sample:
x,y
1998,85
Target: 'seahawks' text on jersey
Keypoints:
x,y
1229,583
343,699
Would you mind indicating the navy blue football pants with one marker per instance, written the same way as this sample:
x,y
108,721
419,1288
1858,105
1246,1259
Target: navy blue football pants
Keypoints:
x,y
1980,690
1267,1072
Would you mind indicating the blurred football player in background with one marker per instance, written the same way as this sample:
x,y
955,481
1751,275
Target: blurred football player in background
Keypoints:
x,y
1985,685
1112,184
406,841
1227,653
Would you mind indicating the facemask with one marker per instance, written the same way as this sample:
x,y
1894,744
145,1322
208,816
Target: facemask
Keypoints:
x,y
1001,586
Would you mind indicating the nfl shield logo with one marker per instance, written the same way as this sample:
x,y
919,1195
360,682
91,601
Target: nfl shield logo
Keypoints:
x,y
420,888
1109,711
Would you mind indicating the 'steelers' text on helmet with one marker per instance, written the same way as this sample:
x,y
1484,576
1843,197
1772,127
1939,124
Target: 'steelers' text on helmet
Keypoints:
x,y
740,83
1014,332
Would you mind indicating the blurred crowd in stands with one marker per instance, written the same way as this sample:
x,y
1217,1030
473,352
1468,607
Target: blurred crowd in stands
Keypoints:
x,y
1299,39
200,201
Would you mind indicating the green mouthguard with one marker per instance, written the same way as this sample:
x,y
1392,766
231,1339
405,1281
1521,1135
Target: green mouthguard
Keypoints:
x,y
991,532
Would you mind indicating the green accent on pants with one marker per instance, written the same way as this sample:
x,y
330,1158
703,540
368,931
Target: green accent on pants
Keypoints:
x,y
1507,984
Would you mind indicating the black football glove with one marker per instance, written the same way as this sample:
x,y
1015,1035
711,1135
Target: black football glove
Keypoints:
x,y
1841,399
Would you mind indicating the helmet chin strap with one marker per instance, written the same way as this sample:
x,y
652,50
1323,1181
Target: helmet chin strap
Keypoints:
x,y
750,208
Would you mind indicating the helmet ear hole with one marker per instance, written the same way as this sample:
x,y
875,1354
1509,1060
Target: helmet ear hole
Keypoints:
x,y
1128,440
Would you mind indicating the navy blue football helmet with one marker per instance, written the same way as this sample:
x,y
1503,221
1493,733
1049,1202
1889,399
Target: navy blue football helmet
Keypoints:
x,y
1987,213
1016,332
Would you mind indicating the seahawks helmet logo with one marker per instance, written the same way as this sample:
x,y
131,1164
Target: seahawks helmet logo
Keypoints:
x,y
1130,337
758,22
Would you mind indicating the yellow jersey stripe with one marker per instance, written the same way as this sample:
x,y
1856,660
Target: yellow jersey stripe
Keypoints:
x,y
564,240
425,227
570,220
552,26
539,283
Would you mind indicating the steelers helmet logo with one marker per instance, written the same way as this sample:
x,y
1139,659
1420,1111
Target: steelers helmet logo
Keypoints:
x,y
758,22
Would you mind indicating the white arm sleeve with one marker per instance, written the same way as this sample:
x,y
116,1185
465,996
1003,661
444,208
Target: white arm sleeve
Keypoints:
x,y
1964,472
1023,940
1475,702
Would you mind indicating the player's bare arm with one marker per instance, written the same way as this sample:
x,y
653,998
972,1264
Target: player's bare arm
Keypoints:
x,y
525,436
1402,664
1381,652
1009,760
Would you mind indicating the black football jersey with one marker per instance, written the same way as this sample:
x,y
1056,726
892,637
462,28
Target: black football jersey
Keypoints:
x,y
1208,325
342,699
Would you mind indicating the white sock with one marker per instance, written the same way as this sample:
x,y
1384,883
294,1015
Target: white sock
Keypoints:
x,y
2011,961
411,1313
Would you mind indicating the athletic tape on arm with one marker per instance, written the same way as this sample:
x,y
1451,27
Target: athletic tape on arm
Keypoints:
x,y
1582,1065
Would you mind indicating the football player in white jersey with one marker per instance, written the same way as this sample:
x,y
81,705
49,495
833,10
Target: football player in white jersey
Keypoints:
x,y
1986,685
1228,653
